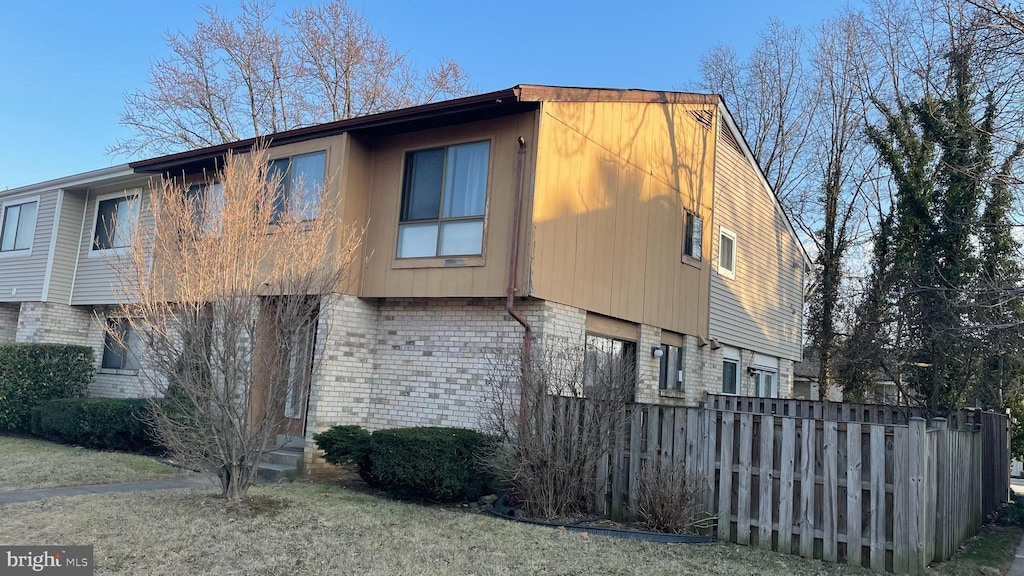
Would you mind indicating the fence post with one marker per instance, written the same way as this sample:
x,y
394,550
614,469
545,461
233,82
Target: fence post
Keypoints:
x,y
943,548
916,514
976,462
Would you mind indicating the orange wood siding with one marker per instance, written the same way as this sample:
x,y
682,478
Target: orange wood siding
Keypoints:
x,y
613,183
383,275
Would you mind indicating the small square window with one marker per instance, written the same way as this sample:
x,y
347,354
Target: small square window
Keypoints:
x,y
693,236
116,219
443,199
19,226
727,253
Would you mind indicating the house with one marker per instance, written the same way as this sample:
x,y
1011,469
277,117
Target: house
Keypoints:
x,y
645,228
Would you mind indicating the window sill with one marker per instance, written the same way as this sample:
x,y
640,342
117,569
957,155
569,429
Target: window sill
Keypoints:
x,y
691,261
23,253
100,253
724,273
116,372
672,394
446,262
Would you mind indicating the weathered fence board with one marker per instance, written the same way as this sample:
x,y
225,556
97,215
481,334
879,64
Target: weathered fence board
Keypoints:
x,y
887,496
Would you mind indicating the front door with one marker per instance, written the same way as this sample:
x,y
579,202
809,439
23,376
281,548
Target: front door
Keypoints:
x,y
299,372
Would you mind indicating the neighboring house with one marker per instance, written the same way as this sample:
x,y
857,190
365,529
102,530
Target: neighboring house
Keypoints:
x,y
646,229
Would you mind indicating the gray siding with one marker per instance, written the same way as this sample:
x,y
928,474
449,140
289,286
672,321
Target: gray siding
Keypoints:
x,y
762,308
69,231
94,279
26,274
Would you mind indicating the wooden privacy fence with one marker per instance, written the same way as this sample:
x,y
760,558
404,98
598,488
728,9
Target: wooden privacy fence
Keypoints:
x,y
995,430
886,496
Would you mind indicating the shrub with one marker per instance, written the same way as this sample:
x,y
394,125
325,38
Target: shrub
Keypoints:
x,y
31,374
103,423
669,499
344,444
441,464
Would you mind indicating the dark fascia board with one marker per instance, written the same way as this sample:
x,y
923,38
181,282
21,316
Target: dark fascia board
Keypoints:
x,y
435,109
496,102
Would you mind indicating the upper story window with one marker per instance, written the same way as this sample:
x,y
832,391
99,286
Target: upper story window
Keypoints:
x,y
693,236
727,253
116,219
206,201
19,226
443,199
300,184
670,373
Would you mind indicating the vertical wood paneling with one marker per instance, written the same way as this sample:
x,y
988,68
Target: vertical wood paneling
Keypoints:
x,y
743,492
830,493
807,481
877,510
612,182
786,467
725,483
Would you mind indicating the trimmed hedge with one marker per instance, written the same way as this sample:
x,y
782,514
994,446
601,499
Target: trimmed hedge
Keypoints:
x,y
31,374
440,464
102,423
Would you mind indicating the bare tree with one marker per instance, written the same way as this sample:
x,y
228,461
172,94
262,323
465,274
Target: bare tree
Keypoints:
x,y
556,423
771,102
225,292
256,74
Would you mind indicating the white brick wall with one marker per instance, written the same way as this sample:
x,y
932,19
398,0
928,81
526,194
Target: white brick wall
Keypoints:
x,y
9,321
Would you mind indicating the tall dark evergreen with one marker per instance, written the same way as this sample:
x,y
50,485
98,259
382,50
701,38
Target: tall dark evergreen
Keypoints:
x,y
953,277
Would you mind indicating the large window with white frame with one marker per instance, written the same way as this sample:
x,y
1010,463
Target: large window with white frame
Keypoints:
x,y
18,226
444,196
726,252
730,371
117,216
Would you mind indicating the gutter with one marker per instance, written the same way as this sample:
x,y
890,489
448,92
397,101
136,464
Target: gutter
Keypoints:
x,y
513,270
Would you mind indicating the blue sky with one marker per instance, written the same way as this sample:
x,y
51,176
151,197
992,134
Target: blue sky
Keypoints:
x,y
64,65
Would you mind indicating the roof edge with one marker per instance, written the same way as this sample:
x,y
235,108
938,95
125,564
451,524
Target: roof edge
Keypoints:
x,y
75,180
317,130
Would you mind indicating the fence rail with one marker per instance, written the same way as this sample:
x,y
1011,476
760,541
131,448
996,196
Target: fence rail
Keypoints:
x,y
886,496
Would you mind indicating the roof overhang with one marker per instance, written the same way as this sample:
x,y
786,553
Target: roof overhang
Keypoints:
x,y
101,177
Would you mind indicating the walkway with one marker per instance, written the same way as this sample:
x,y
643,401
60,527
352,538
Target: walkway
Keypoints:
x,y
16,496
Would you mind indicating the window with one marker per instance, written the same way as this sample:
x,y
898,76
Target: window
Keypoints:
x,y
693,236
727,253
120,352
610,364
299,370
766,383
670,375
115,222
19,226
300,184
731,371
443,200
206,202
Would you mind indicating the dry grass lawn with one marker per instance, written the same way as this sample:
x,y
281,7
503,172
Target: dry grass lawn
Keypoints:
x,y
320,530
28,463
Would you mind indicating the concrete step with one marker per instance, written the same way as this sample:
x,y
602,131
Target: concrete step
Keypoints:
x,y
284,456
276,472
297,442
